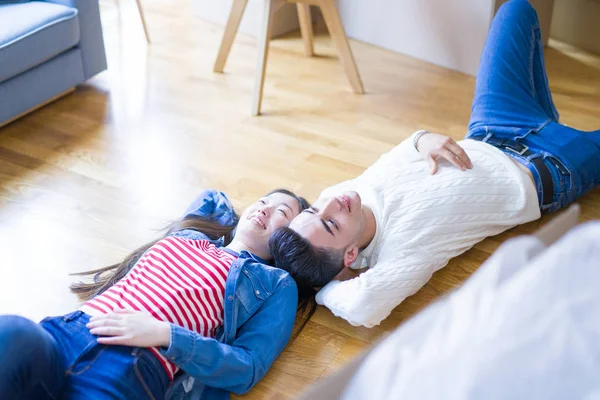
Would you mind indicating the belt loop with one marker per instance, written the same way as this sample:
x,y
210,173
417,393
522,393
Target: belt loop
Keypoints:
x,y
72,316
542,126
527,131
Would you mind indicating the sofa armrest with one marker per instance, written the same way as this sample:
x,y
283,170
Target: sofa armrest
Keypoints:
x,y
92,42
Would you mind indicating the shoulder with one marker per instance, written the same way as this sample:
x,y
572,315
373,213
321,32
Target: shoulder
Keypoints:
x,y
272,278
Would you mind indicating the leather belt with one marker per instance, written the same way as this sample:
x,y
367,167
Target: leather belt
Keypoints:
x,y
522,150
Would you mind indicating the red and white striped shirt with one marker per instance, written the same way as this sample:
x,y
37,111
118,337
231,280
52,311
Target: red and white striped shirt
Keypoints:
x,y
177,280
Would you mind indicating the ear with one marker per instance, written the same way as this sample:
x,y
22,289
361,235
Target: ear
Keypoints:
x,y
350,255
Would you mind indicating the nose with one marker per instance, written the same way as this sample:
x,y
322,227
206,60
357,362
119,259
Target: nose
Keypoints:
x,y
265,210
332,205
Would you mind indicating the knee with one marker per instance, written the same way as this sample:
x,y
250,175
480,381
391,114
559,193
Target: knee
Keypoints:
x,y
517,8
19,334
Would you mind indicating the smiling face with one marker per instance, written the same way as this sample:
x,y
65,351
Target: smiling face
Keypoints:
x,y
333,222
262,218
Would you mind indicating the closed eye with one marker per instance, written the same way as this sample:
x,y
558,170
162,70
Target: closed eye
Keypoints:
x,y
313,210
326,226
332,222
283,212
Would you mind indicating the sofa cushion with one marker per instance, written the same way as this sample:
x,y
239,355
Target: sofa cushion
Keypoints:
x,y
34,32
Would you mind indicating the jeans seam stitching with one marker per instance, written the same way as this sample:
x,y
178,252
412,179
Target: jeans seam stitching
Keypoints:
x,y
531,56
547,93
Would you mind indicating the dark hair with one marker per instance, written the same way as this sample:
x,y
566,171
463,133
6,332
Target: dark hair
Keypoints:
x,y
301,200
310,266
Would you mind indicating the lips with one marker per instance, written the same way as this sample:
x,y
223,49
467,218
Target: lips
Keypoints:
x,y
257,221
346,201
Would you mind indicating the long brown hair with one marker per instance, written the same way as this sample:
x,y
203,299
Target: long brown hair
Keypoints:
x,y
105,277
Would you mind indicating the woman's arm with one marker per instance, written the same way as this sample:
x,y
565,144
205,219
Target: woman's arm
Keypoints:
x,y
239,366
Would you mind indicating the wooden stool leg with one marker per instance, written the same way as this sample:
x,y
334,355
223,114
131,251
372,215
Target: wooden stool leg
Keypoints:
x,y
231,28
263,52
336,29
306,27
141,11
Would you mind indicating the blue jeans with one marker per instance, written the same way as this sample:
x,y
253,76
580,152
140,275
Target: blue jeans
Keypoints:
x,y
60,359
513,101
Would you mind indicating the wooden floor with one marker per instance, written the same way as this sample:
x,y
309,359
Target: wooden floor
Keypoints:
x,y
93,175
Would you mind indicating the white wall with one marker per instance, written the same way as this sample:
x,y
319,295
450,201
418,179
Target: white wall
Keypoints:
x,y
450,33
217,11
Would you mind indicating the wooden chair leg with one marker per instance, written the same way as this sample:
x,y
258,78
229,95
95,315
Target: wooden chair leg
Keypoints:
x,y
336,29
271,7
235,16
141,11
306,27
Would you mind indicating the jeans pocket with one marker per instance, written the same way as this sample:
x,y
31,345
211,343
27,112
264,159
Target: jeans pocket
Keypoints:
x,y
150,374
88,357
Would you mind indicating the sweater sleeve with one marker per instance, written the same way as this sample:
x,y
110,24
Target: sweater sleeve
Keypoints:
x,y
369,298
399,273
404,152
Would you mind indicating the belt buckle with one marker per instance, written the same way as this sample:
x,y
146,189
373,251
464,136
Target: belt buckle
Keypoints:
x,y
523,151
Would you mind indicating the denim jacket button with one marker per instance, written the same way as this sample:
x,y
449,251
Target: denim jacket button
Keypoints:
x,y
258,292
230,298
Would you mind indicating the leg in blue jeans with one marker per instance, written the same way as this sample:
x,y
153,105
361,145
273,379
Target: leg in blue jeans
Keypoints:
x,y
96,371
61,359
31,364
512,86
513,101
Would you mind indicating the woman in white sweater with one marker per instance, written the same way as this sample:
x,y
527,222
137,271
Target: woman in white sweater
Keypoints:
x,y
430,199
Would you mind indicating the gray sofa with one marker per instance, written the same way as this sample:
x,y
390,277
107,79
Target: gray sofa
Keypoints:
x,y
46,48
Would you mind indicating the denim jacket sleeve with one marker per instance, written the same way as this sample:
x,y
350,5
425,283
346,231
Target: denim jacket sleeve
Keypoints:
x,y
239,366
213,205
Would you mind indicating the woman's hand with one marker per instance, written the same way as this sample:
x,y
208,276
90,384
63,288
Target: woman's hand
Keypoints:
x,y
433,145
130,328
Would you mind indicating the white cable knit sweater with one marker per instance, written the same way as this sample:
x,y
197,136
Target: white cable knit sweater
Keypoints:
x,y
424,220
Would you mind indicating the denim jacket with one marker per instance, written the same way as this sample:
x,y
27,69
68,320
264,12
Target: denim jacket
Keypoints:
x,y
260,308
